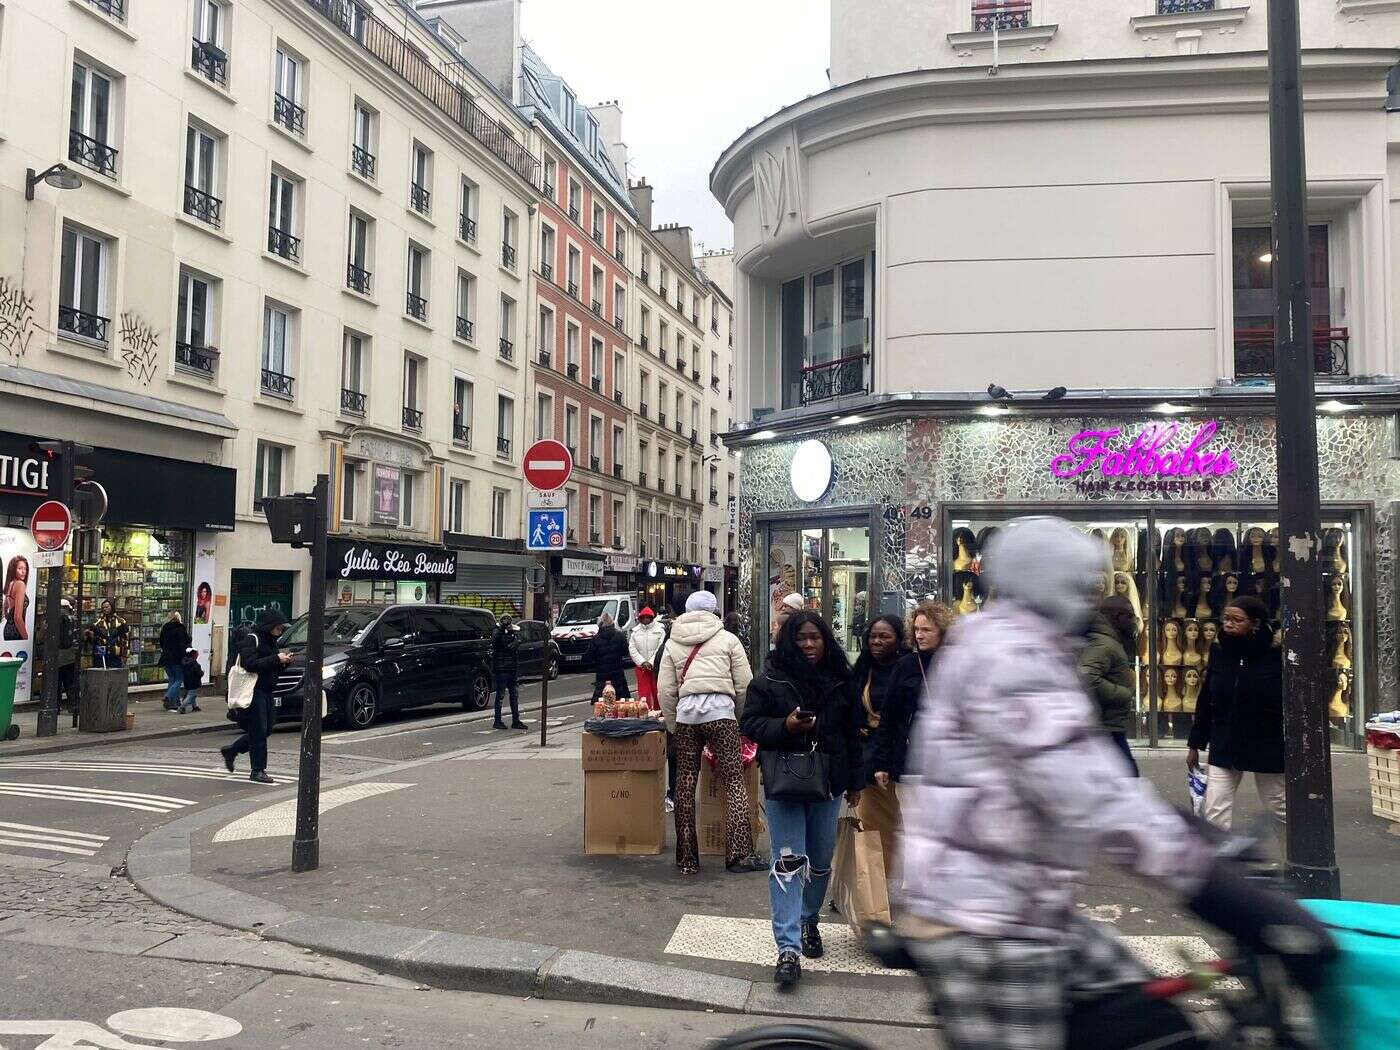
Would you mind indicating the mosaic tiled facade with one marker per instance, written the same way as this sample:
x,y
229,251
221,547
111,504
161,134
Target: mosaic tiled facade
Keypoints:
x,y
925,463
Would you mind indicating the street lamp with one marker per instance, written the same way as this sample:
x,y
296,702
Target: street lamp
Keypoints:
x,y
59,176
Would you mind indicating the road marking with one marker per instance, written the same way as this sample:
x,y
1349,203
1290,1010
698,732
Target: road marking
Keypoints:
x,y
54,840
144,768
96,796
280,818
351,736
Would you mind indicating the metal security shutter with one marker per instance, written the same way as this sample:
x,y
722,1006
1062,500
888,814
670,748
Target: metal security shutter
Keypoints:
x,y
502,590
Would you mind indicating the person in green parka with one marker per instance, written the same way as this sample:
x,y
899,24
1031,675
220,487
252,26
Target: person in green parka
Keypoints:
x,y
1107,669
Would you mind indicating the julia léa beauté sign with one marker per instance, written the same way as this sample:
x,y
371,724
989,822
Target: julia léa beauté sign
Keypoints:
x,y
1161,458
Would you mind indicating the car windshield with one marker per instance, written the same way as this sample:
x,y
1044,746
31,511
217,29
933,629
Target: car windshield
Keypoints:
x,y
342,626
587,612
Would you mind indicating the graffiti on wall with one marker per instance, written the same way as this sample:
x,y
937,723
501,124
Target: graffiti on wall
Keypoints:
x,y
18,326
140,347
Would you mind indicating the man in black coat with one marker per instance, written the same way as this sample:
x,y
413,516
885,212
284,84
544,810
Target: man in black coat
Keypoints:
x,y
260,655
607,653
174,640
505,659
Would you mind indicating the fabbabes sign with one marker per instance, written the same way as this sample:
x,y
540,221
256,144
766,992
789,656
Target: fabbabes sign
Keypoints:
x,y
351,560
1163,457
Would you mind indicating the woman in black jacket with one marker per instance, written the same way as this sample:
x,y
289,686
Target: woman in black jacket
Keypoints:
x,y
607,652
174,640
1239,715
260,655
881,650
800,704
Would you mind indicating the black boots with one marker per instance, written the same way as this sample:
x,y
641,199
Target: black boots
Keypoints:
x,y
788,971
811,941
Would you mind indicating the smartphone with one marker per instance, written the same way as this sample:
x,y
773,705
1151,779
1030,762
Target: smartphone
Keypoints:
x,y
805,716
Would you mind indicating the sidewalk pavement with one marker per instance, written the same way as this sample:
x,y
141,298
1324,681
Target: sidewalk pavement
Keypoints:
x,y
468,872
152,723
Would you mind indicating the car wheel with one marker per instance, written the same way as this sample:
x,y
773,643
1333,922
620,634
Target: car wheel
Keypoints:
x,y
553,670
362,706
478,693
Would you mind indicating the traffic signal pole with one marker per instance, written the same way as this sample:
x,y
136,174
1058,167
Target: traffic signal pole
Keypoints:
x,y
60,489
306,843
1311,847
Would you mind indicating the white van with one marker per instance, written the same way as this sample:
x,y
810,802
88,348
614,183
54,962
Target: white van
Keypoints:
x,y
578,623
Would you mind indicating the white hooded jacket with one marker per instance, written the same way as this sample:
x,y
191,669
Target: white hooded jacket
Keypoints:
x,y
645,641
720,664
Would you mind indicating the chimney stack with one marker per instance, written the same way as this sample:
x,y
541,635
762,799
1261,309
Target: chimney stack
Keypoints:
x,y
641,194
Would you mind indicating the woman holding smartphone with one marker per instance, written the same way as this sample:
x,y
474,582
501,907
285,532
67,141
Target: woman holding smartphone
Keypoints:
x,y
801,715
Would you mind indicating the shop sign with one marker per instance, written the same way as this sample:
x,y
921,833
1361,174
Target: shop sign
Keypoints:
x,y
620,563
388,491
733,514
811,471
668,570
580,567
24,474
387,451
1160,458
365,560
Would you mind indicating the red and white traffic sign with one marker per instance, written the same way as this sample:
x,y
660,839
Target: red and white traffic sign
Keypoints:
x,y
51,524
548,465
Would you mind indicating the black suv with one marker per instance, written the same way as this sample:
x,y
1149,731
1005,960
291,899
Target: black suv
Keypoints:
x,y
386,657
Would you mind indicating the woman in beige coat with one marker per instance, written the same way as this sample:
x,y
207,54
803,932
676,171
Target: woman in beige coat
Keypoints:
x,y
704,677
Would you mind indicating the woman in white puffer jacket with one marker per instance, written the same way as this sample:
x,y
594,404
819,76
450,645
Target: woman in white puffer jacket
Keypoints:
x,y
705,676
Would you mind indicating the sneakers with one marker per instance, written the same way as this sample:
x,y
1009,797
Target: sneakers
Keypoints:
x,y
229,755
498,724
517,724
261,777
753,862
788,971
812,941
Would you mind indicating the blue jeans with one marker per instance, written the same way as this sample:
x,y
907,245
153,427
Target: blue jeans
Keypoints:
x,y
508,682
174,684
803,835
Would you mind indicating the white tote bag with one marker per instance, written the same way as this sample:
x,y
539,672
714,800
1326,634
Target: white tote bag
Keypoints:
x,y
240,687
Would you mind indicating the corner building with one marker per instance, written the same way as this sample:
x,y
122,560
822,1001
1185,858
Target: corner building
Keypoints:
x,y
1088,229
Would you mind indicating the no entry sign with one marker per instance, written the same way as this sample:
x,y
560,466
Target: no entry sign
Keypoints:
x,y
548,465
51,525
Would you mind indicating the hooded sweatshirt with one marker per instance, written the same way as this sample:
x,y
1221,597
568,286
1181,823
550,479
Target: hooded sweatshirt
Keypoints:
x,y
720,669
1013,791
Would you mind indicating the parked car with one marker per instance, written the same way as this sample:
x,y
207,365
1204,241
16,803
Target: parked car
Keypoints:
x,y
535,643
387,657
578,623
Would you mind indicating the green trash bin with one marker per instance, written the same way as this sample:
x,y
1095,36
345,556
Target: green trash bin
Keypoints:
x,y
9,671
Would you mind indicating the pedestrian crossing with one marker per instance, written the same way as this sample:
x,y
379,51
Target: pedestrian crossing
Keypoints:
x,y
51,840
161,769
133,800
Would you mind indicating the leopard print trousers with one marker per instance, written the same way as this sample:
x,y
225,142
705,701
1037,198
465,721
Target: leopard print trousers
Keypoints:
x,y
723,738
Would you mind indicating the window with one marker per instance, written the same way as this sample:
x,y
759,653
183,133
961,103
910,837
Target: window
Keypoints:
x,y
619,243
82,293
498,512
505,424
457,506
571,340
420,195
547,252
207,55
645,271
714,489
574,273
194,326
643,531
694,541
595,365
267,478
644,327
619,450
595,443
362,146
413,370
714,426
544,417
575,200
595,518
570,109
680,296
571,429
714,369
599,221
661,392
507,328
466,301
595,289
618,514
352,373
619,376
201,177
695,307
467,217
462,413
591,135
410,493
282,218
287,111
277,351
663,333
825,333
571,510
508,230
349,491
551,168
416,300
357,273
1254,304
91,120
619,305
661,282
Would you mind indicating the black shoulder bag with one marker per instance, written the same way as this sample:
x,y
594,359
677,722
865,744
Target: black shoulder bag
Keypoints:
x,y
796,776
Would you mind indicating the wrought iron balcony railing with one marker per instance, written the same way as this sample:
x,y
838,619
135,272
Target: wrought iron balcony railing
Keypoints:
x,y
466,227
1001,15
420,197
288,114
547,271
503,446
415,306
572,370
507,349
508,256
837,378
209,61
83,324
92,153
596,382
462,434
1182,7
545,358
412,418
358,278
362,161
466,329
284,244
203,206
201,360
1254,352
114,9
277,384
353,401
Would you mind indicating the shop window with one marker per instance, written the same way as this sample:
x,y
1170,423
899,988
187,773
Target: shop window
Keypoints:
x,y
830,568
269,472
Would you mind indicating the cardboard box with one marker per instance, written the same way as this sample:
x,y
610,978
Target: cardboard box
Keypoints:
x,y
714,799
644,751
623,810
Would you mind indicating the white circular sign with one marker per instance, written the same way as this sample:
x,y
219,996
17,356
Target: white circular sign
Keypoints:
x,y
811,471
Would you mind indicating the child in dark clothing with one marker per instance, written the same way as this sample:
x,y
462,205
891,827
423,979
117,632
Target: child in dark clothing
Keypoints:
x,y
193,678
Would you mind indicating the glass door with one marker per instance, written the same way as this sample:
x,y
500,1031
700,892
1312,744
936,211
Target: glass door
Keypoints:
x,y
830,569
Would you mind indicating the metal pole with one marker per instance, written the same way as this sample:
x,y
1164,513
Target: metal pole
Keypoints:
x,y
306,845
60,489
544,680
1311,847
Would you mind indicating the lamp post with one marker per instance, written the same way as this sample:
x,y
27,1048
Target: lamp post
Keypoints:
x,y
60,176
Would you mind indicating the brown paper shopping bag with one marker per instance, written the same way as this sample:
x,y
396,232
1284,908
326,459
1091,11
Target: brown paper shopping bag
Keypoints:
x,y
858,876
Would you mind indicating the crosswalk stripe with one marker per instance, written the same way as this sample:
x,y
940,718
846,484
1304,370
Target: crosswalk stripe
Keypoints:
x,y
118,803
150,770
6,825
145,803
51,847
135,795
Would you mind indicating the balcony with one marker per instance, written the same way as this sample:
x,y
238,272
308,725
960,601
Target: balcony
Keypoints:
x,y
597,307
205,207
660,484
506,349
412,418
353,401
617,470
714,555
289,115
570,536
680,429
466,329
283,244
445,92
503,447
661,418
1254,353
714,498
694,496
644,274
642,409
680,364
113,9
209,61
547,272
596,383
545,358
1000,15
466,228
678,488
695,375
714,383
461,434
617,397
548,189
642,478
362,162
573,451
645,342
92,327
695,319
617,543
663,291
508,256
199,360
595,538
595,464
420,198
1184,7
572,289
617,323
714,326
694,437
572,370
574,214
277,384
358,278
714,440
90,153
598,235
415,306
620,254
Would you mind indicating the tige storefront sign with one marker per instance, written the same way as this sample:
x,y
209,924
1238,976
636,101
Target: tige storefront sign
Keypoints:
x,y
1156,460
358,560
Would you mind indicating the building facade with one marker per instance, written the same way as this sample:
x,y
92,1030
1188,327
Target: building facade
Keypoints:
x,y
297,249
1086,231
720,525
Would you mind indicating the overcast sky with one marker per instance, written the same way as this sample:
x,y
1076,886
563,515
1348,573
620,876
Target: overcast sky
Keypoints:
x,y
690,78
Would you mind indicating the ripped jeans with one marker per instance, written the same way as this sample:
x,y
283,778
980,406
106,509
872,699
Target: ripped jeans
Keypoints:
x,y
803,835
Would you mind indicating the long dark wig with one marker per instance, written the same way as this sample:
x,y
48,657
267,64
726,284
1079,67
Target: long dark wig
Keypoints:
x,y
788,657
